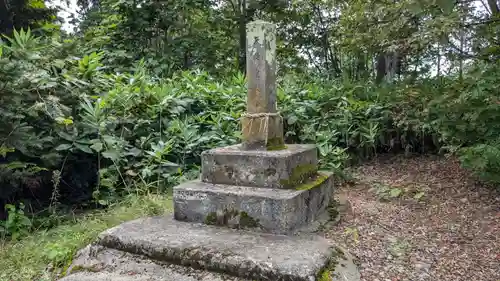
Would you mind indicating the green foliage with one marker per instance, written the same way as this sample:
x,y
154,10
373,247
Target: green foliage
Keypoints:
x,y
30,257
135,129
33,97
168,35
483,160
148,132
470,124
16,224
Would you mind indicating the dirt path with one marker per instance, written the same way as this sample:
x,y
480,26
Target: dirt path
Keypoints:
x,y
451,233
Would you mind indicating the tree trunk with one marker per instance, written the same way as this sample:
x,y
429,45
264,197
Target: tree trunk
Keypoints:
x,y
380,69
243,36
386,67
462,42
439,61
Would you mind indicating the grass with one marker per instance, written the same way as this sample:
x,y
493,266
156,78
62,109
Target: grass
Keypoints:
x,y
29,257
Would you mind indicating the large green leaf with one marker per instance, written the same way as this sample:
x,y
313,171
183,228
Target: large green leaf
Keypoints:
x,y
111,154
64,146
97,146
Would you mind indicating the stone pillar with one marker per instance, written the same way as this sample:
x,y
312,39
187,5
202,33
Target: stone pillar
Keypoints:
x,y
262,126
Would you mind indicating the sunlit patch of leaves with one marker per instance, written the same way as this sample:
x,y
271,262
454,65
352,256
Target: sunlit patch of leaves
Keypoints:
x,y
386,192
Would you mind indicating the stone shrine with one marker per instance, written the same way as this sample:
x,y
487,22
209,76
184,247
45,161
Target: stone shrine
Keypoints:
x,y
244,218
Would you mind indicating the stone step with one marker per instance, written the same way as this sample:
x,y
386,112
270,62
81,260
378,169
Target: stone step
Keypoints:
x,y
105,276
99,263
243,254
273,210
285,168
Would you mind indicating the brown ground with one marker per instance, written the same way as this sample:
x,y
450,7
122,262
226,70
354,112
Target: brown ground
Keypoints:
x,y
451,233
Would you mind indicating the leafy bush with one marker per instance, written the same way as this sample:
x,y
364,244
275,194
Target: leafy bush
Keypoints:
x,y
16,223
483,160
468,120
149,132
34,100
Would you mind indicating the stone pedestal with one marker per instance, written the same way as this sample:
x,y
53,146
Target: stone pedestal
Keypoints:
x,y
271,191
285,168
272,210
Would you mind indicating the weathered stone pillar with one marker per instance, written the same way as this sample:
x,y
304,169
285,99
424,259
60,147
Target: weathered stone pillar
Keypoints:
x,y
262,126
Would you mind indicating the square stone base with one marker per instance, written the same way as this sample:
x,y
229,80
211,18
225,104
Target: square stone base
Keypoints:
x,y
279,211
249,255
284,168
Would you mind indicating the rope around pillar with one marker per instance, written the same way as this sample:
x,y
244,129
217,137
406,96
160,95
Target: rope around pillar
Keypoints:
x,y
262,127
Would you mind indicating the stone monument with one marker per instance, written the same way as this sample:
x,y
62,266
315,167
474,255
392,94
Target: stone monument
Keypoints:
x,y
242,219
261,183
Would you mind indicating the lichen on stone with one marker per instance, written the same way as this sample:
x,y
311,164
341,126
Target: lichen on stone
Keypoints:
x,y
211,218
248,221
243,219
326,273
275,144
299,175
315,182
264,34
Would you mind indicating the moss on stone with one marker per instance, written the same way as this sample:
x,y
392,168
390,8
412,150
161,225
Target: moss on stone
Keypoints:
x,y
275,144
248,221
81,268
315,182
244,221
300,174
326,273
211,218
277,147
77,268
325,276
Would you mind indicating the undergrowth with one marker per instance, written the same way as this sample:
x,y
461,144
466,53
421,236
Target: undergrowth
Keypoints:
x,y
43,254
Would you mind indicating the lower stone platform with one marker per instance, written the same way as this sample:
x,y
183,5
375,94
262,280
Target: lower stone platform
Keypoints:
x,y
235,252
273,210
162,249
